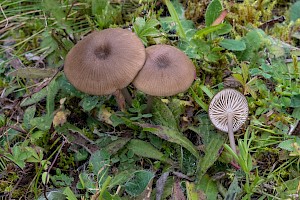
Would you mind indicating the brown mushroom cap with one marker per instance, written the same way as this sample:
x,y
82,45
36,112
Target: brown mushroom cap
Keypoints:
x,y
105,61
228,102
167,71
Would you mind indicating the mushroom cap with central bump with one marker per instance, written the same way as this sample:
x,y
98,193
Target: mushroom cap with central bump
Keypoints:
x,y
166,72
105,61
225,102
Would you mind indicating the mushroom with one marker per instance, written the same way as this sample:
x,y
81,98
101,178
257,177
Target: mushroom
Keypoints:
x,y
228,111
105,61
166,72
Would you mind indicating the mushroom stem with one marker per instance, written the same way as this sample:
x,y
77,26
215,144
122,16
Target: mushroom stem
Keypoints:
x,y
127,96
149,104
230,131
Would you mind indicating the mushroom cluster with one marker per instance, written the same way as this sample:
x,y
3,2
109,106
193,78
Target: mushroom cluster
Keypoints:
x,y
109,60
228,111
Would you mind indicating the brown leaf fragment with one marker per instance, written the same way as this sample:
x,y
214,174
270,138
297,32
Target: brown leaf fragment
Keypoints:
x,y
220,19
177,191
160,185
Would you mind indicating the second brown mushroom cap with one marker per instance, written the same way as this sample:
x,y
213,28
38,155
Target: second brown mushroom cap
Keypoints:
x,y
166,72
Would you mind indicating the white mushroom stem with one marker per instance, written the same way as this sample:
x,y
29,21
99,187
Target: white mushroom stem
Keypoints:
x,y
230,131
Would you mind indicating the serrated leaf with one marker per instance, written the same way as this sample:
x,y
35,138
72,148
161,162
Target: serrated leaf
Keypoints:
x,y
162,115
33,73
233,45
171,135
213,11
138,182
144,149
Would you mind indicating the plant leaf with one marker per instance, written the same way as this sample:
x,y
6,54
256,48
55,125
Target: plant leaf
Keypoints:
x,y
171,135
138,182
70,195
162,115
144,149
209,187
233,45
213,11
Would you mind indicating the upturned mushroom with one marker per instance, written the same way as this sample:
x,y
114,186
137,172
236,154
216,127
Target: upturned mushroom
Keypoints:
x,y
105,61
228,111
166,72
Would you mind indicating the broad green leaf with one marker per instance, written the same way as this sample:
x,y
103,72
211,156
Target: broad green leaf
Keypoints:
x,y
43,123
213,11
162,115
99,161
69,193
295,101
116,145
233,45
120,178
52,89
234,189
171,135
145,149
294,11
211,154
33,73
288,144
138,182
36,97
209,187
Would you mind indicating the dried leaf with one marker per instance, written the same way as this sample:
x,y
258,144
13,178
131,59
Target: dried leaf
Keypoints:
x,y
33,73
177,191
